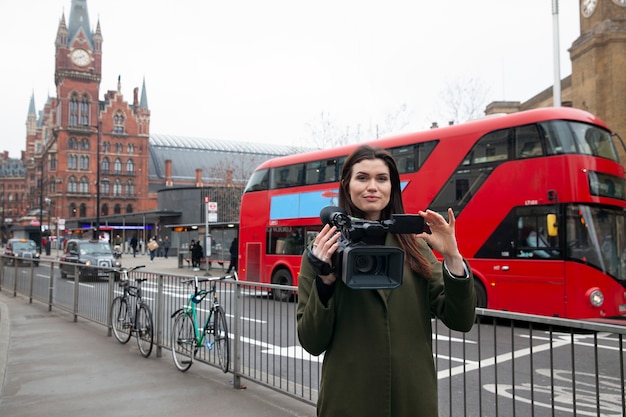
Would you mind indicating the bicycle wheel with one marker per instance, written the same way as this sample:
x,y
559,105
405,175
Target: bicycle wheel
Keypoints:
x,y
221,338
143,330
183,341
120,319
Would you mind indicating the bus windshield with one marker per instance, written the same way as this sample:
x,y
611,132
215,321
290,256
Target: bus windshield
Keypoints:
x,y
576,137
595,235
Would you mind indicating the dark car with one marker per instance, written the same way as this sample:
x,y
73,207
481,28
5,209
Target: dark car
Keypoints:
x,y
21,250
93,257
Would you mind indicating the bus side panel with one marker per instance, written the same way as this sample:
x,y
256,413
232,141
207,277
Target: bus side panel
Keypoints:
x,y
582,279
253,261
523,285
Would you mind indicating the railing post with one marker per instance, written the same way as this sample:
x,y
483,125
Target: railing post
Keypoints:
x,y
158,316
111,291
15,277
51,287
76,289
237,337
32,282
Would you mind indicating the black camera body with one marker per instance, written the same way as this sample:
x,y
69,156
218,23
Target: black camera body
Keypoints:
x,y
364,266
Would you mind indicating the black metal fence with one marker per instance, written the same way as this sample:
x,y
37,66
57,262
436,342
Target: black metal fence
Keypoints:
x,y
508,364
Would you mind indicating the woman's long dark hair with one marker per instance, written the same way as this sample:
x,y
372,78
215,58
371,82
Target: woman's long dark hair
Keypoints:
x,y
408,243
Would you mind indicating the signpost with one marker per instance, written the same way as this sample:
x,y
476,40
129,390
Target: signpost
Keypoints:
x,y
210,215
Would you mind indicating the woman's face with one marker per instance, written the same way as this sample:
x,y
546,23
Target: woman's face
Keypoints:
x,y
370,187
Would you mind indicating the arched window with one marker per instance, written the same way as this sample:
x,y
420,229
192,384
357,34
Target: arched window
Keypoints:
x,y
84,110
73,110
105,209
82,211
119,148
117,209
72,212
117,166
106,165
117,188
130,167
105,188
129,208
72,144
84,144
72,162
84,162
118,123
130,189
71,185
84,185
106,147
130,148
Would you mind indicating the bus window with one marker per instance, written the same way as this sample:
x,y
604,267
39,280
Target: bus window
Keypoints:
x,y
285,240
319,172
528,141
606,185
258,181
595,236
493,147
526,232
592,140
287,176
410,158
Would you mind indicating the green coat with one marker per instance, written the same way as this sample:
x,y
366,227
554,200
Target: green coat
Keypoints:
x,y
377,344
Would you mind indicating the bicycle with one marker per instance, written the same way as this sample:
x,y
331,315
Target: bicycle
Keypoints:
x,y
188,337
124,321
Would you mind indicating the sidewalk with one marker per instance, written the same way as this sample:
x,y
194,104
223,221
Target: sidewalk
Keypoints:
x,y
51,366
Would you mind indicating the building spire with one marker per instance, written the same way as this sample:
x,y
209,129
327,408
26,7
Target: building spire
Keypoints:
x,y
79,21
143,104
31,107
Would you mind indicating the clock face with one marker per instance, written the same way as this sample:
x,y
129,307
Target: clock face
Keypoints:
x,y
587,7
80,57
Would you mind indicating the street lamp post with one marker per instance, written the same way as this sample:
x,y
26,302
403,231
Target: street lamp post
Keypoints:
x,y
48,201
99,136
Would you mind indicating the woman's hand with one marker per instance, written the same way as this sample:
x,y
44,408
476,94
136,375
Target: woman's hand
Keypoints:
x,y
442,238
324,246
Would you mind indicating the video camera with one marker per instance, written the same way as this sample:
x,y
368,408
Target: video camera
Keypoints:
x,y
364,266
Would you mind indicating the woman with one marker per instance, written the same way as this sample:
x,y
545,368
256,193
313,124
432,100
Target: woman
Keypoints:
x,y
377,343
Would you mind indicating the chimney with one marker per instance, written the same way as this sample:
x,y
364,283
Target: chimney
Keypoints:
x,y
136,97
5,156
199,178
168,173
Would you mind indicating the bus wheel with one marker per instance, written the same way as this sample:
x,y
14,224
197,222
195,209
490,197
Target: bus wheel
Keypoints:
x,y
481,294
282,277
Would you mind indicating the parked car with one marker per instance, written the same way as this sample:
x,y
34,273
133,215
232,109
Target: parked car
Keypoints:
x,y
93,257
23,250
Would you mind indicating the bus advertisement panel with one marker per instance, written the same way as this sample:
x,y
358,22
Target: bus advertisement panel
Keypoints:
x,y
539,198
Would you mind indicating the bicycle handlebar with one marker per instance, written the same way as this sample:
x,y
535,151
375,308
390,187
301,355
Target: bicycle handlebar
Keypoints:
x,y
122,268
202,279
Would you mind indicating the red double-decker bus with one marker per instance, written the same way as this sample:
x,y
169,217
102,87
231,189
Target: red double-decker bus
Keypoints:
x,y
539,198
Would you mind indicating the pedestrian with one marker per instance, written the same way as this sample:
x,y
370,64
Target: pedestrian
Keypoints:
x,y
196,255
133,244
377,344
234,255
152,247
160,248
166,246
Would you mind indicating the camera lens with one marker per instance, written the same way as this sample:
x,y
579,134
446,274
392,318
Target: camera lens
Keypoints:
x,y
369,264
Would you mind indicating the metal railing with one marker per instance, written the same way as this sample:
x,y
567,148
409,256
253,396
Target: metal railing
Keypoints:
x,y
508,364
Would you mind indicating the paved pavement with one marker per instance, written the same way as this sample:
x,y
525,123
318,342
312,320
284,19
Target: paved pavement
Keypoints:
x,y
52,366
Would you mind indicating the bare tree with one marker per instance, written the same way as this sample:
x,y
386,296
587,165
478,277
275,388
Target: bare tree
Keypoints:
x,y
463,99
325,133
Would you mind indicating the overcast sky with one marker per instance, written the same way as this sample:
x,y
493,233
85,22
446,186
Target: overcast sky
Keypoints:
x,y
262,71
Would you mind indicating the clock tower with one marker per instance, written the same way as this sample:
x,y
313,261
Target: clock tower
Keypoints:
x,y
89,157
598,60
